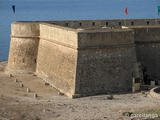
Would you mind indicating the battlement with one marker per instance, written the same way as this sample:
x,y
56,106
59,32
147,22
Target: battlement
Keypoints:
x,y
89,24
85,57
106,23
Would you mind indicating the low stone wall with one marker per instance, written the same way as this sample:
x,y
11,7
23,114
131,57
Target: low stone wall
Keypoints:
x,y
154,92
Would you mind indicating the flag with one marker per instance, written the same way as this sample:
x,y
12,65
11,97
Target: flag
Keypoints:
x,y
14,8
158,10
126,11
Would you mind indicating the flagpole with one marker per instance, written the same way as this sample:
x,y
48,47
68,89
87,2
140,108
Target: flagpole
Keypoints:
x,y
156,17
126,13
157,11
158,7
125,18
125,21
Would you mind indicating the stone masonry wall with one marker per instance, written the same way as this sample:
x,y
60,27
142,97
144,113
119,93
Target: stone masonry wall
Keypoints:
x,y
57,57
23,47
101,23
85,62
148,49
107,66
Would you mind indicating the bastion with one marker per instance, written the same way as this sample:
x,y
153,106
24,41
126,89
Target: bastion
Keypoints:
x,y
86,57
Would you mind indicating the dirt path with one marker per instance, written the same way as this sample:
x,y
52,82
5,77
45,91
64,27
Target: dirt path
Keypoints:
x,y
17,104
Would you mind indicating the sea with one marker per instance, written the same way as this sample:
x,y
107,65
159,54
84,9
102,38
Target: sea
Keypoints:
x,y
47,10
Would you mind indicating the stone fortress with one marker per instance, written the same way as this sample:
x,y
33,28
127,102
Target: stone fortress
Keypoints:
x,y
87,57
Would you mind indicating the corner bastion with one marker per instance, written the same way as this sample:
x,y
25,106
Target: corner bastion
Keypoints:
x,y
82,58
23,46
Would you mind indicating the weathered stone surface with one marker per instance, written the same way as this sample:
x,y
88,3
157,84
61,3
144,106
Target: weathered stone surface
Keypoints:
x,y
105,70
23,47
87,61
109,23
106,64
147,41
56,61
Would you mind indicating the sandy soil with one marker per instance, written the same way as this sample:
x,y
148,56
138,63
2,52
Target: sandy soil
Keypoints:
x,y
18,104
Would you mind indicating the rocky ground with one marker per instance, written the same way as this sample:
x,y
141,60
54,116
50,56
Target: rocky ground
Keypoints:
x,y
16,103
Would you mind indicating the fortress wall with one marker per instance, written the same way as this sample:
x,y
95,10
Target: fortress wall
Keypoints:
x,y
148,49
59,34
105,38
57,57
85,62
108,68
23,47
93,23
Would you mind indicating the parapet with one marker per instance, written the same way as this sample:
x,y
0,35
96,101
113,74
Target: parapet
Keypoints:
x,y
87,24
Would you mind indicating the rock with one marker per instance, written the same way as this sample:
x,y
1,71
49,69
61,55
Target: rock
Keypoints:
x,y
60,93
21,85
34,75
10,75
35,95
110,97
16,80
28,90
46,83
143,92
127,114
